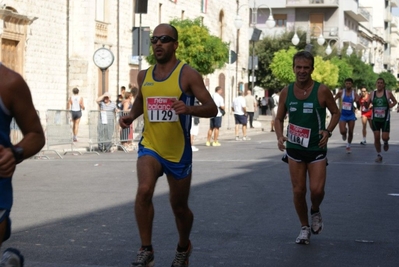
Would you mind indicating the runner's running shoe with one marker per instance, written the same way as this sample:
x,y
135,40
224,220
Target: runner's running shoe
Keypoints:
x,y
144,259
386,146
304,236
317,223
378,159
12,258
181,258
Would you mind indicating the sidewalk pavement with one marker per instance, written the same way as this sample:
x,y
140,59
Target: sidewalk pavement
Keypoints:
x,y
261,124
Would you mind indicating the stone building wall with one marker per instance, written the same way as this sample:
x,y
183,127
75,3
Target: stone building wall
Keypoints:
x,y
59,50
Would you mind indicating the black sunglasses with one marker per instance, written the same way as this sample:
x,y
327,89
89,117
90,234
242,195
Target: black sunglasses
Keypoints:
x,y
163,38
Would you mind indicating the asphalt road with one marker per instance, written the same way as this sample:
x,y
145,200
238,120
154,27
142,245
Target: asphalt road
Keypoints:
x,y
78,211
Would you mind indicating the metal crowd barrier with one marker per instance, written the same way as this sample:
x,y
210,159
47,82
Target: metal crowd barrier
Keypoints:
x,y
104,131
59,130
16,135
125,136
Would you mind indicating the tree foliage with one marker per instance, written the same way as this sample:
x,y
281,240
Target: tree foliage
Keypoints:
x,y
265,49
274,73
390,80
197,47
363,74
344,70
281,65
325,72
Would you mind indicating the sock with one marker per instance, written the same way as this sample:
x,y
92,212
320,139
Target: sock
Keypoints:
x,y
181,249
364,139
348,145
313,211
147,248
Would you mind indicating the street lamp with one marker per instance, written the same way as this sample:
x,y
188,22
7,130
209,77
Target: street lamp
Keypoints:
x,y
329,49
270,23
320,40
349,51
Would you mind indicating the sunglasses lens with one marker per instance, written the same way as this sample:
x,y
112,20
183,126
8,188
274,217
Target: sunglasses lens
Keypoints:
x,y
164,39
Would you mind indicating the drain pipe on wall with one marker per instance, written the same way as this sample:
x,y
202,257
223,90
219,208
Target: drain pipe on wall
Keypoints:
x,y
67,54
117,46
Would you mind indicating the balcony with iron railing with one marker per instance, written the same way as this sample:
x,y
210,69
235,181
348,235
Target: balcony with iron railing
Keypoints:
x,y
312,3
350,36
388,15
356,12
394,21
393,41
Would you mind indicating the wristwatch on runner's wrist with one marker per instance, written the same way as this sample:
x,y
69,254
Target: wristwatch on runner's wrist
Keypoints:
x,y
18,153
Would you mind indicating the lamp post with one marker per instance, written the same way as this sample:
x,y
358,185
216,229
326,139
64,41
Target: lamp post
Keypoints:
x,y
329,49
320,40
349,50
270,23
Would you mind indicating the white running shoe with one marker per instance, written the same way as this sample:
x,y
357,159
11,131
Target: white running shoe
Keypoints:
x,y
12,258
304,236
317,223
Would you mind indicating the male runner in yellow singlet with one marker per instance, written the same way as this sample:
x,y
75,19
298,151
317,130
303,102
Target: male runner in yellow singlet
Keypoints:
x,y
166,100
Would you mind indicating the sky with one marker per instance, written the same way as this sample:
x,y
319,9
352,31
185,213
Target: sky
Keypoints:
x,y
395,11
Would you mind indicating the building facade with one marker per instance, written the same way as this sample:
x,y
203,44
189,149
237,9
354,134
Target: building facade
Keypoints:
x,y
364,27
51,43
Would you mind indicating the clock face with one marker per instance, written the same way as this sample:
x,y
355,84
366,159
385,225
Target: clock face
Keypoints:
x,y
103,58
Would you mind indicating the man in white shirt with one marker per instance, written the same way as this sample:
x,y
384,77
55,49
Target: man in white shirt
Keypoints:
x,y
216,122
240,116
251,106
274,99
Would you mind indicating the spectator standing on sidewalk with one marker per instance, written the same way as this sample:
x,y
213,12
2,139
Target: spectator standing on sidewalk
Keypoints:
x,y
15,102
195,121
75,104
263,103
216,122
106,124
273,105
251,104
240,116
306,141
169,87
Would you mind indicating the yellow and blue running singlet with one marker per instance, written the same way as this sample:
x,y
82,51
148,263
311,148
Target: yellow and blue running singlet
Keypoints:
x,y
165,132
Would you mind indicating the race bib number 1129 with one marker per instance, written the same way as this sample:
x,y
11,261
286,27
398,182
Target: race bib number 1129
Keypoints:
x,y
159,109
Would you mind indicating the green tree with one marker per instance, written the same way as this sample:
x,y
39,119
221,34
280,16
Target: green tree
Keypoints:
x,y
344,70
325,72
281,65
390,80
363,74
197,47
265,50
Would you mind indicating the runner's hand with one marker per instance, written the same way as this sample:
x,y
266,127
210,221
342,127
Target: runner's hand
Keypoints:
x,y
7,162
125,121
280,143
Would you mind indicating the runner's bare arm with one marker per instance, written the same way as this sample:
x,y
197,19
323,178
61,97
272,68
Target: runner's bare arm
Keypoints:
x,y
279,121
193,84
137,108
